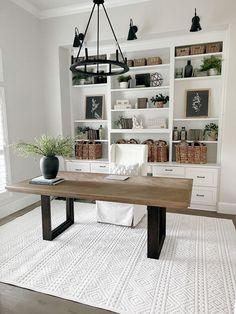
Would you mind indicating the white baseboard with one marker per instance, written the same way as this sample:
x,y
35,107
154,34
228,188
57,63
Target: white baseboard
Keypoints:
x,y
14,205
227,208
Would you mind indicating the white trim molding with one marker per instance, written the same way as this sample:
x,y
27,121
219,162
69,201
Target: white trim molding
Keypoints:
x,y
70,9
227,208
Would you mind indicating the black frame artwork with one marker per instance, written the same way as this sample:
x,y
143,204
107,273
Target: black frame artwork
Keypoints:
x,y
94,107
197,103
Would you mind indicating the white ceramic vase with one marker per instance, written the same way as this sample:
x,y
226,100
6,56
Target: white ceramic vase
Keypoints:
x,y
123,85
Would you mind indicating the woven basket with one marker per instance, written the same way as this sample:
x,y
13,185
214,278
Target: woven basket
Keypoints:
x,y
213,47
154,60
197,49
196,153
140,62
79,150
182,51
149,142
94,150
159,151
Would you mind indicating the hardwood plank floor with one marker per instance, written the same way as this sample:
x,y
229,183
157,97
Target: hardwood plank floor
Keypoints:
x,y
15,300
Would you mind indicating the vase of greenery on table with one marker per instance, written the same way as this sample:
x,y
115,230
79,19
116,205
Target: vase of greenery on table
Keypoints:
x,y
159,100
212,65
49,148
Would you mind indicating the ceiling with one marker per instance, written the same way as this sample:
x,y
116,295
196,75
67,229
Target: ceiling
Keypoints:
x,y
52,8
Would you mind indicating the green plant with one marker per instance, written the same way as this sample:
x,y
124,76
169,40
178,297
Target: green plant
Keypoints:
x,y
47,146
124,78
82,129
160,97
211,127
212,62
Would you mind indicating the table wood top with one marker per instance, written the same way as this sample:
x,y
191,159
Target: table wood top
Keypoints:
x,y
153,191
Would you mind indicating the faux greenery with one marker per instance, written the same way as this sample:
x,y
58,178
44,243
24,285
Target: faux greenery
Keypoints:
x,y
124,78
211,127
212,62
47,146
82,129
160,97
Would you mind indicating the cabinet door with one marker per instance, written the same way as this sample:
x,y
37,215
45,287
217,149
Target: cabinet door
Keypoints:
x,y
202,176
78,166
99,167
204,196
168,171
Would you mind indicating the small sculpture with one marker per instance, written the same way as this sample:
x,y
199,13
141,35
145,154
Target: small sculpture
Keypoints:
x,y
137,124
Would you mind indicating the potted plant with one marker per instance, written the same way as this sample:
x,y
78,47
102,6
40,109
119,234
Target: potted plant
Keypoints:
x,y
49,148
211,132
123,80
159,100
78,79
212,65
82,133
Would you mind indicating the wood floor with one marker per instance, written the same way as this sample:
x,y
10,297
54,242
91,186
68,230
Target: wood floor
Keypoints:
x,y
15,300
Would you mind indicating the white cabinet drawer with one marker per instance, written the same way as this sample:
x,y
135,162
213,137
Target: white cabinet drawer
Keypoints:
x,y
168,171
78,166
99,167
203,196
202,176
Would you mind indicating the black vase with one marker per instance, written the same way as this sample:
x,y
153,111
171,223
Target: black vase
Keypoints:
x,y
49,167
188,70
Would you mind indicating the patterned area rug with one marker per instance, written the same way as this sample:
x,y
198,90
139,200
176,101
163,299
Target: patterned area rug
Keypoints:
x,y
106,266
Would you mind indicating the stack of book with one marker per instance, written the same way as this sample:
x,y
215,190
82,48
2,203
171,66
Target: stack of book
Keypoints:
x,y
43,181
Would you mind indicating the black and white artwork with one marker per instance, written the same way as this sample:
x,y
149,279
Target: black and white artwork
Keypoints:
x,y
94,107
197,103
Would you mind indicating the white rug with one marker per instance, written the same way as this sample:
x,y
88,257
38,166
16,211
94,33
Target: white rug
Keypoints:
x,y
106,265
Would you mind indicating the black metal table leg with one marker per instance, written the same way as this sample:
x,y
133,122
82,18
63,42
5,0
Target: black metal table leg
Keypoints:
x,y
156,230
48,233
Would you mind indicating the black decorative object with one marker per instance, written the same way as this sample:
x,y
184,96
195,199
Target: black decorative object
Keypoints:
x,y
188,70
197,103
195,23
142,80
116,67
132,31
49,167
156,79
78,38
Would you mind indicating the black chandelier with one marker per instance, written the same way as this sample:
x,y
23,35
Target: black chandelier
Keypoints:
x,y
115,67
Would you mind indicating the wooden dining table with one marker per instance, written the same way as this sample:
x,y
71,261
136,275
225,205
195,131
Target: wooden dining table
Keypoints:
x,y
158,193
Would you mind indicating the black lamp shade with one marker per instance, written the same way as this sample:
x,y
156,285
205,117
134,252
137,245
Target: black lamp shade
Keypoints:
x,y
132,31
78,38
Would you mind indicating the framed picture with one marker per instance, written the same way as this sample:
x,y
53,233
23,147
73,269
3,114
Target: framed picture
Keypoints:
x,y
94,107
197,103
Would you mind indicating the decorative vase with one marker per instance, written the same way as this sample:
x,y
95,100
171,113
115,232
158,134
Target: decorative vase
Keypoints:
x,y
159,104
188,70
211,136
49,167
213,72
123,85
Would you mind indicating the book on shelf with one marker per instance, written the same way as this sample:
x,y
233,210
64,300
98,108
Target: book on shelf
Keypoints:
x,y
41,180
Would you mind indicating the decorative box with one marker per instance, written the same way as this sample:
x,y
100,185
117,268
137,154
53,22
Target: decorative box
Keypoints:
x,y
214,47
197,49
154,60
140,62
182,51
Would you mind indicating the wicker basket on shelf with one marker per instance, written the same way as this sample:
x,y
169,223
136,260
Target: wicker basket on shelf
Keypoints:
x,y
197,49
149,142
159,151
140,62
79,150
95,150
154,60
196,153
213,47
182,51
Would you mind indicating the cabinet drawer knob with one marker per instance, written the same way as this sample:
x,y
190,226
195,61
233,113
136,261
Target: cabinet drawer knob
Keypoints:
x,y
78,169
201,177
168,169
102,166
200,195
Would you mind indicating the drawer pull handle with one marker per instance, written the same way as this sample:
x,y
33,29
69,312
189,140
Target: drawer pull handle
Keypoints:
x,y
200,195
78,169
102,166
168,169
201,177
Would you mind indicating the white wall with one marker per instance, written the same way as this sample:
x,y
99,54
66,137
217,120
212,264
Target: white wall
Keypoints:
x,y
151,17
20,41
